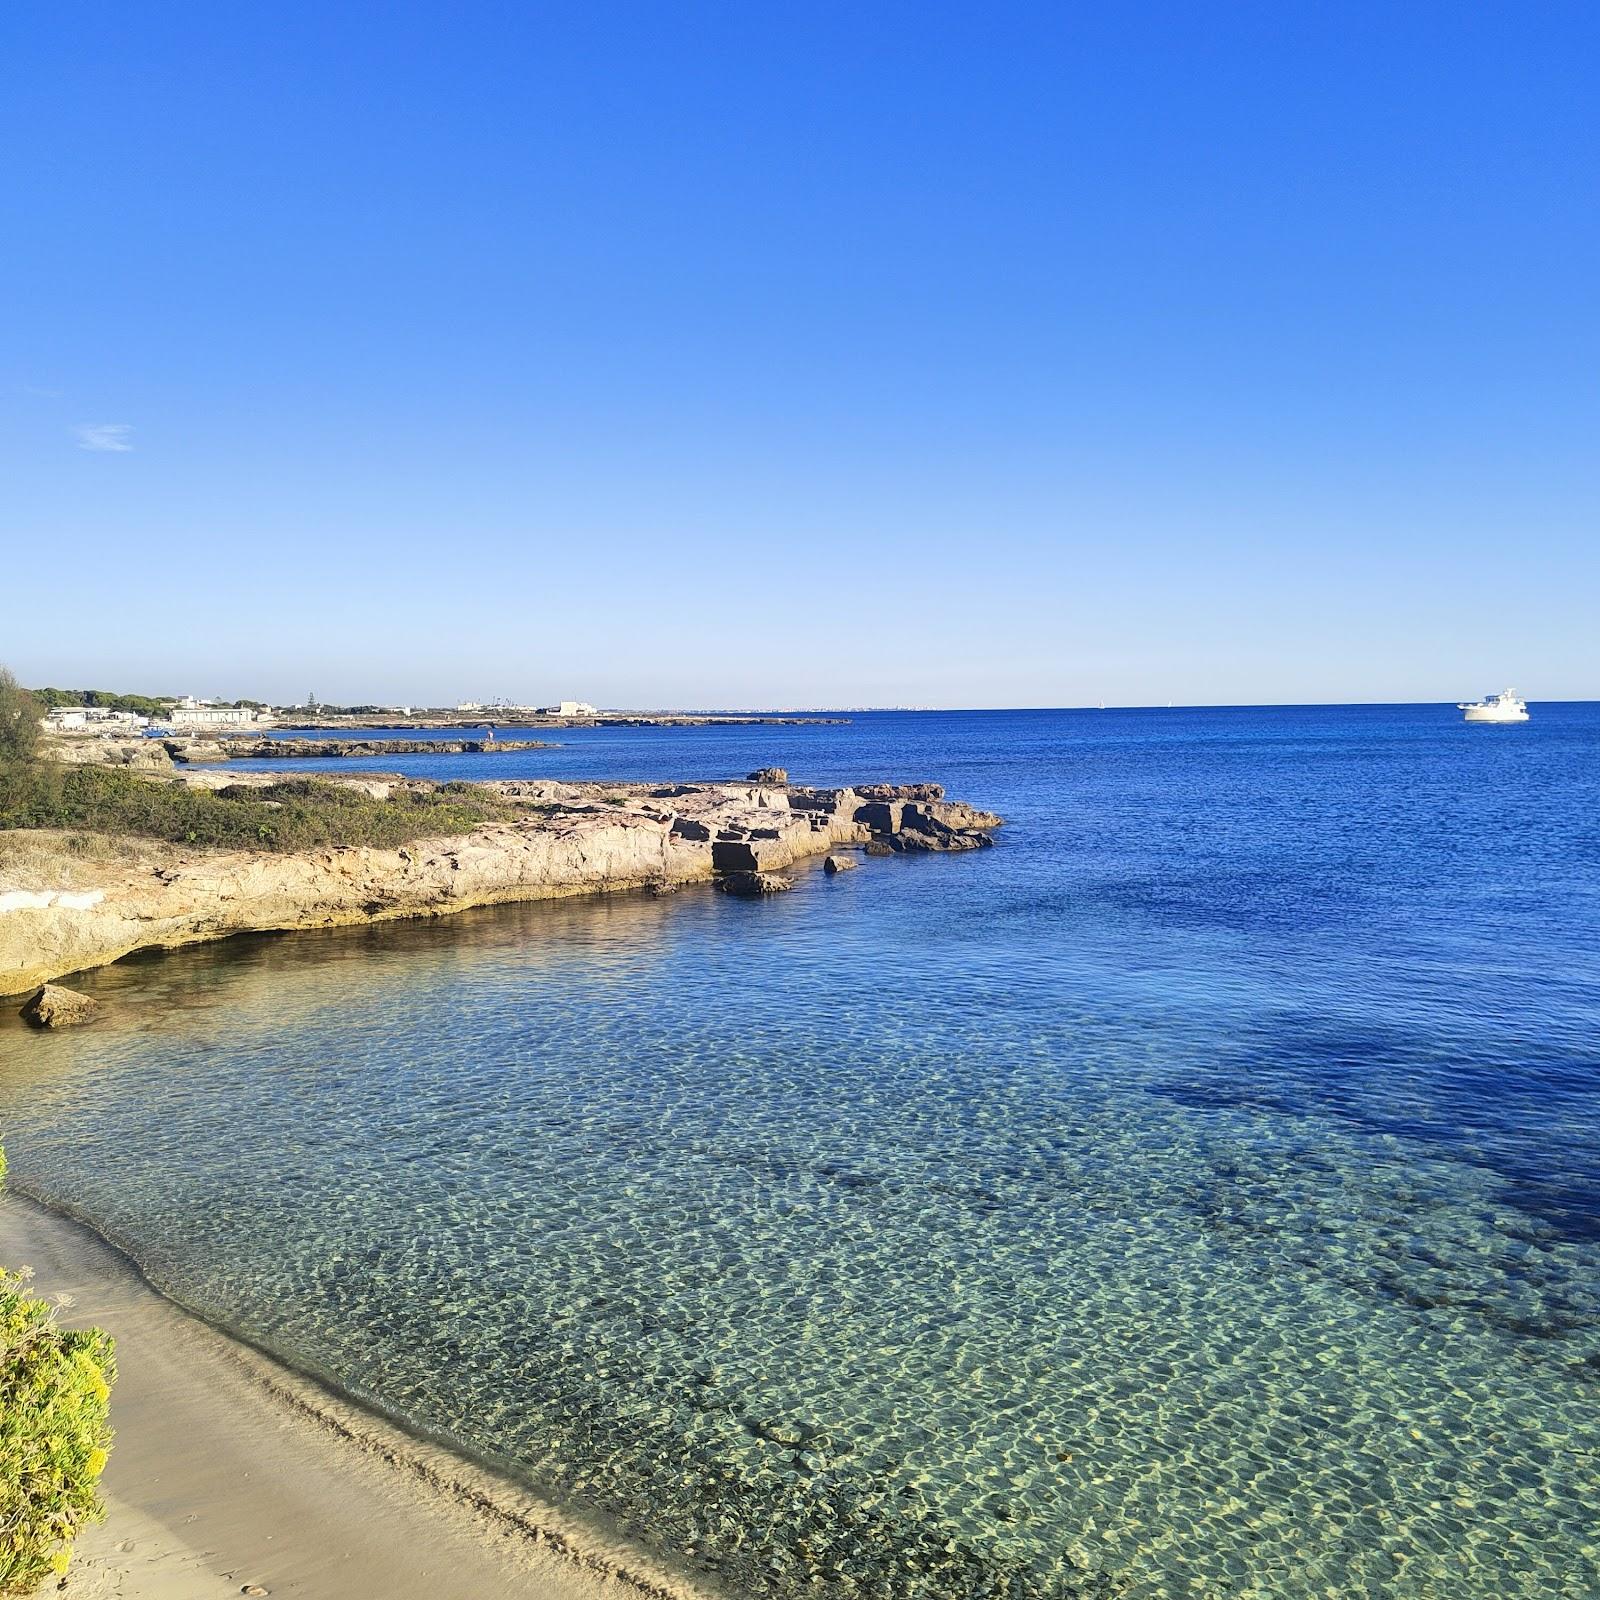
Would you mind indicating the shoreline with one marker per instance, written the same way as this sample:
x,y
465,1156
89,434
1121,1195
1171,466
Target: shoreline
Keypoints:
x,y
505,717
232,1468
559,839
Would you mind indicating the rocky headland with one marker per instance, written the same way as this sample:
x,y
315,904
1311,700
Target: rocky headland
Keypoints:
x,y
63,911
505,717
247,747
154,755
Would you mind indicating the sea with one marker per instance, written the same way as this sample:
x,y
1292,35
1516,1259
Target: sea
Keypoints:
x,y
1195,1195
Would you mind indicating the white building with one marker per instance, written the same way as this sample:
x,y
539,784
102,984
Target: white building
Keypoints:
x,y
192,713
571,708
93,719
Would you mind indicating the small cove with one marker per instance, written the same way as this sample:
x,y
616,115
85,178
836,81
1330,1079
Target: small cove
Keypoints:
x,y
1195,1194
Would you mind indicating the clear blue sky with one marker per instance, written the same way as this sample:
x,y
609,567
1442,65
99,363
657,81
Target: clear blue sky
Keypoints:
x,y
758,354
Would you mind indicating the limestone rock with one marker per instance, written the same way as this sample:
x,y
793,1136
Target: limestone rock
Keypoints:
x,y
949,814
55,1007
837,863
751,854
900,791
237,747
911,843
143,755
768,775
752,885
197,749
882,816
557,839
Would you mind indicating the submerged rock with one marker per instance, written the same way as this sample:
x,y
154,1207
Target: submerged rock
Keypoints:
x,y
55,1007
838,863
752,885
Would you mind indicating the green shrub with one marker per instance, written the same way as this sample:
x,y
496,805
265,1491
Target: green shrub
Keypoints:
x,y
107,699
19,720
296,814
55,1388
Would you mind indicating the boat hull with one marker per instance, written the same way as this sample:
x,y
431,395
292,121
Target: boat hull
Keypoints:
x,y
1493,714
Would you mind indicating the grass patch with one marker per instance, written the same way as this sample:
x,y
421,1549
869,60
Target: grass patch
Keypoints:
x,y
64,860
297,814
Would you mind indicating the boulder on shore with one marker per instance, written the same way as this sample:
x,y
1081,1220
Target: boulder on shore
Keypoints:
x,y
768,775
752,885
55,1007
838,863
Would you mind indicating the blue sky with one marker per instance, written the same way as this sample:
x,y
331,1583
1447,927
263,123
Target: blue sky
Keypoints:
x,y
748,354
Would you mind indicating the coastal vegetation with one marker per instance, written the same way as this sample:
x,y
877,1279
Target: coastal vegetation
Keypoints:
x,y
142,705
55,1390
19,720
296,814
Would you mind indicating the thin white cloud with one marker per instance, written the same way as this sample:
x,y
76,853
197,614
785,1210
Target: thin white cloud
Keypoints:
x,y
103,435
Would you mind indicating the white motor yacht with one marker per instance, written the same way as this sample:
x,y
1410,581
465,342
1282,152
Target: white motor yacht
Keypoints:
x,y
1502,707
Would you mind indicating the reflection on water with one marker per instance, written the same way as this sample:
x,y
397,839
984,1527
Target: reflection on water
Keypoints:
x,y
946,1229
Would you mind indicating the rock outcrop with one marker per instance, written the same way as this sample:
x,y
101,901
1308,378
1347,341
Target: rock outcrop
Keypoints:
x,y
56,1007
900,791
836,864
752,885
769,775
245,747
565,839
96,750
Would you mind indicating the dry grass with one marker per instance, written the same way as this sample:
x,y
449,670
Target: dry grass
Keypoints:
x,y
54,858
293,813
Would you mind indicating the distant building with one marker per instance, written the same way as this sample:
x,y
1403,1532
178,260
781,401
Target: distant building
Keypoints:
x,y
470,705
571,708
94,719
192,713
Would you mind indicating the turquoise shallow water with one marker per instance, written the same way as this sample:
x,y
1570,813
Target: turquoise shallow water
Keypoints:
x,y
1198,1194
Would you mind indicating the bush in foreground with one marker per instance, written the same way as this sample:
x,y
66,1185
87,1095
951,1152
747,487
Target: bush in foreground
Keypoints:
x,y
297,814
55,1387
19,720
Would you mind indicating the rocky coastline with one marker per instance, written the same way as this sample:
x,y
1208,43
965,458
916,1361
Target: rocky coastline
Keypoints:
x,y
153,755
505,718
246,747
564,839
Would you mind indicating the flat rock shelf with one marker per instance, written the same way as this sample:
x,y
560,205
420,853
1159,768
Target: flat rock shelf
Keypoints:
x,y
560,839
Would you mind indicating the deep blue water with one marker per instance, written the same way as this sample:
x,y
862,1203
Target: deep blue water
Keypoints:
x,y
1197,1194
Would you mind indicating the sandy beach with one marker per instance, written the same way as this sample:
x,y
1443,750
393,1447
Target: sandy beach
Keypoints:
x,y
232,1475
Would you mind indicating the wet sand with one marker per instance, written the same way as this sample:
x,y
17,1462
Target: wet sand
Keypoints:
x,y
231,1474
